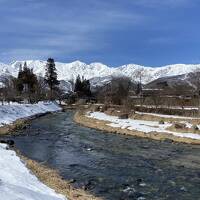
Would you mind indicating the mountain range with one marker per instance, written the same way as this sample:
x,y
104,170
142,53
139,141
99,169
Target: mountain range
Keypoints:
x,y
100,74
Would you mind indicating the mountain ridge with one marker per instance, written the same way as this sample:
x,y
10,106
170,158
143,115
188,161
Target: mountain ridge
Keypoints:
x,y
69,71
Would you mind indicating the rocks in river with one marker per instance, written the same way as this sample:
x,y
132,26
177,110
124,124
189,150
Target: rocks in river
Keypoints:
x,y
141,198
183,189
139,180
72,181
131,193
73,165
172,183
142,184
167,140
85,185
9,142
145,147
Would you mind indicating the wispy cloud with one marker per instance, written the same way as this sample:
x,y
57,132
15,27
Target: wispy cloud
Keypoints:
x,y
33,29
164,3
24,54
73,30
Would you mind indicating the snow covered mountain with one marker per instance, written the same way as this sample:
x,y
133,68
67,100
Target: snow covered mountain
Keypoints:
x,y
99,73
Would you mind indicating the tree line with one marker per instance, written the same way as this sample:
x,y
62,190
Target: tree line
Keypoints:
x,y
30,88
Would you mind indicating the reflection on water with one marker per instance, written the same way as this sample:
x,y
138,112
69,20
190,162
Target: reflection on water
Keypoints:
x,y
114,167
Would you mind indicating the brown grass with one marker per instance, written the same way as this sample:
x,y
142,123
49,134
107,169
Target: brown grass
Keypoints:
x,y
17,125
102,125
158,118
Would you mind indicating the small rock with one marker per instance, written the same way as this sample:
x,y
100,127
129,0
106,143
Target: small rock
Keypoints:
x,y
129,190
141,198
183,189
72,181
139,180
142,184
172,183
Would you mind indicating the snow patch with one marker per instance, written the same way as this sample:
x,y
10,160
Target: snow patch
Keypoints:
x,y
140,125
10,113
17,182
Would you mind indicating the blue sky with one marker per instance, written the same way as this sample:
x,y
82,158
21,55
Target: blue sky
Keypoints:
x,y
114,32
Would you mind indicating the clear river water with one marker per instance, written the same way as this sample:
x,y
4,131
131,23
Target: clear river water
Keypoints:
x,y
111,166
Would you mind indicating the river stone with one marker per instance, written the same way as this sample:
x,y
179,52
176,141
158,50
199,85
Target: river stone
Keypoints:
x,y
183,189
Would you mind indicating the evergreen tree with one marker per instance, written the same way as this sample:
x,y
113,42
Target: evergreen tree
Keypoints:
x,y
82,87
78,84
138,89
51,76
26,82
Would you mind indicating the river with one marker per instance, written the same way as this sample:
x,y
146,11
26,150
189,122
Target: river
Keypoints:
x,y
114,167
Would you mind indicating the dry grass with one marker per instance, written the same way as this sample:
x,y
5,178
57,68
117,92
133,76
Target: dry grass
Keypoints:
x,y
10,128
52,179
102,125
183,130
159,118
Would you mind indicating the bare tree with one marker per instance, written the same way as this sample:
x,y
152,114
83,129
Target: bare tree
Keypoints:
x,y
117,91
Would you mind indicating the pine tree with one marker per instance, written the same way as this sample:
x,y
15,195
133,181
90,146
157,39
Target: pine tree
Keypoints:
x,y
82,87
26,82
51,76
78,84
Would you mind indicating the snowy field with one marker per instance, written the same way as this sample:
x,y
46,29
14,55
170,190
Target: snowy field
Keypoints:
x,y
14,111
17,183
140,125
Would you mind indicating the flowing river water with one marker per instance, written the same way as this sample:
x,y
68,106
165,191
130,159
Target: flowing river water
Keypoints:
x,y
114,167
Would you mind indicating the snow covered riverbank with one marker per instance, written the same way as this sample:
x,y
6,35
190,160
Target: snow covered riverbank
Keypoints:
x,y
143,126
11,113
17,182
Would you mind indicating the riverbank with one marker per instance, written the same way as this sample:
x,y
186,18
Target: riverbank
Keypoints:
x,y
17,182
81,117
52,179
17,116
16,178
